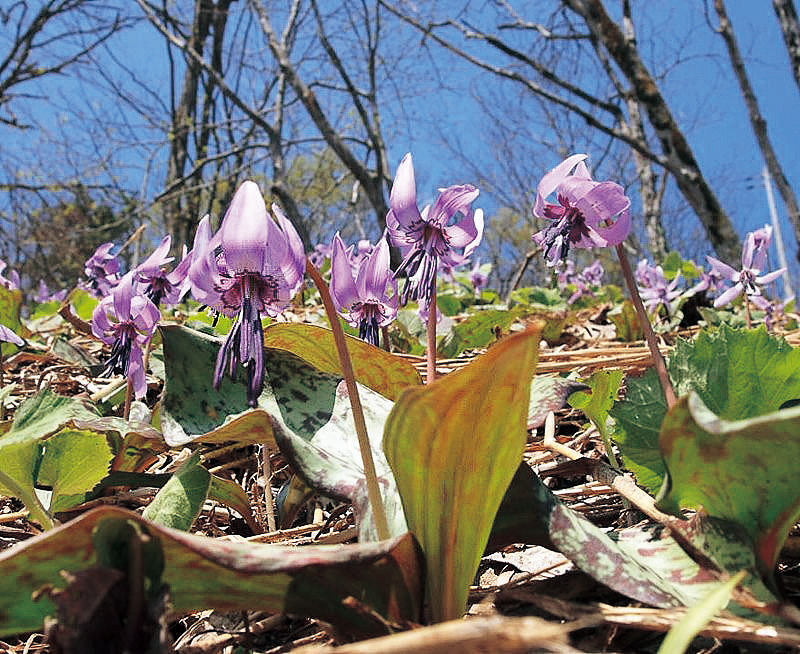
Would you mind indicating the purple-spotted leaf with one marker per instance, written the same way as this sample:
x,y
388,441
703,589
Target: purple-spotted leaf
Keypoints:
x,y
205,573
644,563
374,367
331,463
454,446
743,471
181,499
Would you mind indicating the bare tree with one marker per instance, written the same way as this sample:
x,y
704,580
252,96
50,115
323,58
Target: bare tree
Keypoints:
x,y
790,26
757,119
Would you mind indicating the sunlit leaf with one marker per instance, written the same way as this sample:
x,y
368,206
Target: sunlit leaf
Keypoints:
x,y
454,446
477,331
743,471
626,321
375,368
180,501
204,573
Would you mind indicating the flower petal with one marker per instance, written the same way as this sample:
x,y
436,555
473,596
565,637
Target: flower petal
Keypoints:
x,y
728,296
451,200
343,289
467,233
158,258
603,203
9,336
245,230
374,273
770,277
122,294
293,261
721,268
552,180
403,197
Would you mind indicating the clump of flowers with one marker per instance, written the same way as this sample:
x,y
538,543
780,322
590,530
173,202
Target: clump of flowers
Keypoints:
x,y
11,283
158,284
656,290
362,299
44,295
253,265
588,214
585,281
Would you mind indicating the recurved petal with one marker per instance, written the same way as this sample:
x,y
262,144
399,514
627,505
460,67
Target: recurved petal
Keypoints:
x,y
293,261
159,257
452,200
606,209
552,180
123,294
101,325
770,277
9,336
245,230
728,296
466,233
722,268
403,198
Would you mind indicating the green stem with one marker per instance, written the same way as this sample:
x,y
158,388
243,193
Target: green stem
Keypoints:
x,y
647,328
431,351
373,489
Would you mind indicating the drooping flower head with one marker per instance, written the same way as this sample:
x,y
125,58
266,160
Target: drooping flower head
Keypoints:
x,y
126,320
251,266
478,276
427,238
363,300
101,270
588,214
749,279
158,284
12,282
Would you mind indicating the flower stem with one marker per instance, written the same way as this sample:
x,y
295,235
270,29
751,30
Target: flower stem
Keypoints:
x,y
431,351
647,328
373,489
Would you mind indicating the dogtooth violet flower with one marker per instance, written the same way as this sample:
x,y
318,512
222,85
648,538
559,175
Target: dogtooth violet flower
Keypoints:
x,y
160,285
747,280
251,266
101,269
363,300
427,237
588,214
126,320
656,290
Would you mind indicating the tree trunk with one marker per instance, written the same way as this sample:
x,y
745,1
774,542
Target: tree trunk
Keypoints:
x,y
680,160
787,16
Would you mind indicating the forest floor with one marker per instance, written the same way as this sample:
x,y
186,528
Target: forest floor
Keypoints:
x,y
524,598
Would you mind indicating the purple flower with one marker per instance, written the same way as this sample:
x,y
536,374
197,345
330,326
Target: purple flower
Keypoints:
x,y
363,300
101,269
126,321
754,258
656,291
774,312
43,294
426,237
593,274
321,252
252,265
159,285
479,279
8,335
588,214
11,284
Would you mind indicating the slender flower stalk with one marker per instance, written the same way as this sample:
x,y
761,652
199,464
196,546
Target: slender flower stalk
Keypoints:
x,y
592,214
252,265
430,237
373,488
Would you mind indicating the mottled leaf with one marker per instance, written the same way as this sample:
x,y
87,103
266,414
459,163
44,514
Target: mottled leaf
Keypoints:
x,y
204,573
374,368
626,321
438,441
549,393
743,471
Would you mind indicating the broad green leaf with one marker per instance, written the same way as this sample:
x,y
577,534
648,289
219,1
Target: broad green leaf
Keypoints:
x,y
743,471
477,331
83,303
682,634
180,501
738,374
231,494
438,440
375,368
73,463
644,563
204,573
597,402
330,462
538,296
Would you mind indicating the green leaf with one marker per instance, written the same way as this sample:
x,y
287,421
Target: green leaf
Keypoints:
x,y
180,501
626,321
10,312
743,471
538,296
231,494
477,331
203,573
375,368
437,441
738,374
549,393
597,402
83,303
682,634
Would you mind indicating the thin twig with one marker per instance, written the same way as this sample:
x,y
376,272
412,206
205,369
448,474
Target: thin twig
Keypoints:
x,y
269,501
